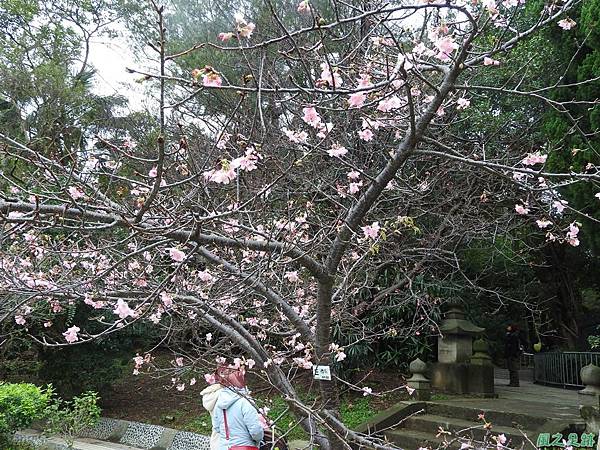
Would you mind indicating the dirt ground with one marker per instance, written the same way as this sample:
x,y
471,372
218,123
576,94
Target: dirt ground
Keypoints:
x,y
144,398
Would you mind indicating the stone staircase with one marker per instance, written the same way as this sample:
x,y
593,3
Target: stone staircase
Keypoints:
x,y
434,424
441,423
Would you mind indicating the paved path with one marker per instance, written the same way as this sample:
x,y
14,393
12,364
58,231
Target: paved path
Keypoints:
x,y
533,399
55,443
79,444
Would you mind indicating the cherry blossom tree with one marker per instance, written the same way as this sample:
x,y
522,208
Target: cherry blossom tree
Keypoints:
x,y
249,231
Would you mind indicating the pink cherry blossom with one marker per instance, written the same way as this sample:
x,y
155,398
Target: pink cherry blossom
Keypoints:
x,y
311,116
567,23
139,361
304,363
329,76
559,205
223,139
491,6
292,276
324,129
340,356
353,188
205,276
572,241
337,150
520,209
179,361
364,81
224,175
371,231
534,158
303,7
572,234
153,172
176,254
501,439
246,162
180,387
123,310
510,3
167,299
490,62
210,378
366,134
20,320
543,223
389,104
298,137
462,103
76,193
420,49
212,79
367,391
224,37
246,30
353,175
155,318
71,334
357,100
446,46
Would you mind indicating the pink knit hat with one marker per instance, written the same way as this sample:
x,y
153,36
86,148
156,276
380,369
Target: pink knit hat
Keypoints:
x,y
231,377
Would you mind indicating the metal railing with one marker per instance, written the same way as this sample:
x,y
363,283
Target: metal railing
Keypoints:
x,y
526,361
562,368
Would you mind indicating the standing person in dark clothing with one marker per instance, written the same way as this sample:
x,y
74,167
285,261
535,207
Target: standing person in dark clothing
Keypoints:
x,y
512,350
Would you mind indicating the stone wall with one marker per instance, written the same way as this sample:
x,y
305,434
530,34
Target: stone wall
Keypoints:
x,y
134,434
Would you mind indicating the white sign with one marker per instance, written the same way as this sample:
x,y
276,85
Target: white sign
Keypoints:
x,y
322,373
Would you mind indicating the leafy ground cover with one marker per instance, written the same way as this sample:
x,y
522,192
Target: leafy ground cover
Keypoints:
x,y
151,400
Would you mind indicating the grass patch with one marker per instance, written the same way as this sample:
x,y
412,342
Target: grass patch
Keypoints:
x,y
353,410
201,425
356,411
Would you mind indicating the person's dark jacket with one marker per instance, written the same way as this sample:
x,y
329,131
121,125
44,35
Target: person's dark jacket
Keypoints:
x,y
512,345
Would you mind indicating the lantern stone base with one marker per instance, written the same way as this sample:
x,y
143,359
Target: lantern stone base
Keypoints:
x,y
463,378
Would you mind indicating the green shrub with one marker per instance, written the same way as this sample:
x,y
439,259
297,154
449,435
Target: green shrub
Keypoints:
x,y
76,369
10,444
20,405
69,418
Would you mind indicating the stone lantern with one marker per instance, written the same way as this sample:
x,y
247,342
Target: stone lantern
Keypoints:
x,y
455,345
458,370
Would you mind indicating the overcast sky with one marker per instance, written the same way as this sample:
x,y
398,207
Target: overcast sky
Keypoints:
x,y
111,57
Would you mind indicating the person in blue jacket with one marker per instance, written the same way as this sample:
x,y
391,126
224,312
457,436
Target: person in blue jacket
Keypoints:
x,y
235,417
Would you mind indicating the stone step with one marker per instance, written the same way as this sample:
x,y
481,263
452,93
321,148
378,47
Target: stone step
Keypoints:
x,y
496,416
414,439
430,423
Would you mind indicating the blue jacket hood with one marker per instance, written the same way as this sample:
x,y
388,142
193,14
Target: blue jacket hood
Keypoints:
x,y
229,396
